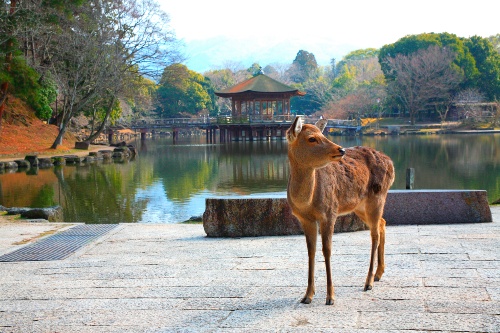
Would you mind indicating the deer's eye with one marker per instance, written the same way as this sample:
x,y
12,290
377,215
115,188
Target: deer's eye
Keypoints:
x,y
312,139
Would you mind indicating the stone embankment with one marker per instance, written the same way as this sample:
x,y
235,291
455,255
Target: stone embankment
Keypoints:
x,y
226,217
118,154
33,162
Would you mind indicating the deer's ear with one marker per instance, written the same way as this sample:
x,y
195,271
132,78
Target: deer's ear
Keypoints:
x,y
295,129
321,124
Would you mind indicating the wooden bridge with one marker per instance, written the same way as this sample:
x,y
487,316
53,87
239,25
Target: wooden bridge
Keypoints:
x,y
229,128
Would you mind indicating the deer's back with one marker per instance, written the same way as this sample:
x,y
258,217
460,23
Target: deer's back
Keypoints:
x,y
363,172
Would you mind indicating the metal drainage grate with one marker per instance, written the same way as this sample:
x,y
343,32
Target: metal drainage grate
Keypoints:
x,y
60,245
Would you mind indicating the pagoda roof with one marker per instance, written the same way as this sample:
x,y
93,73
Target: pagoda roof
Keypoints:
x,y
259,84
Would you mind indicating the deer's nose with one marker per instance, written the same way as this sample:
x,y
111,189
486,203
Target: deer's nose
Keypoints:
x,y
342,151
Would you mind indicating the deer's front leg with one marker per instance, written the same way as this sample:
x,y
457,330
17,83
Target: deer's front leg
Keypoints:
x,y
326,229
311,232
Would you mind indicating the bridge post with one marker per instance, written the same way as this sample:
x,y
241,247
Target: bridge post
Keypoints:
x,y
175,134
110,136
222,137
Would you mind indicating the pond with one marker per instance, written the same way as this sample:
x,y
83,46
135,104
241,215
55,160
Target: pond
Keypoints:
x,y
168,183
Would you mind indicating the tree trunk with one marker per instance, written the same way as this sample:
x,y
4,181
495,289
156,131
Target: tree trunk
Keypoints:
x,y
59,138
8,59
93,136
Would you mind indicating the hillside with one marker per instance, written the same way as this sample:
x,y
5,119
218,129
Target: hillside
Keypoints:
x,y
22,132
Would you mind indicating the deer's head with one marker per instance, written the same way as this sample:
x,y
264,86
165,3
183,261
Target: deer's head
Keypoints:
x,y
308,147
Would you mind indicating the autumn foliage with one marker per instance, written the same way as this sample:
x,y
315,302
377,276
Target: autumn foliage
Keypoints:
x,y
22,132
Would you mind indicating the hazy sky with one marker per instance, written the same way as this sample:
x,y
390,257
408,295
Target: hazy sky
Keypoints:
x,y
275,30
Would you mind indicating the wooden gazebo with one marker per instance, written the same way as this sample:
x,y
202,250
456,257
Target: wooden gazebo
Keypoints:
x,y
260,98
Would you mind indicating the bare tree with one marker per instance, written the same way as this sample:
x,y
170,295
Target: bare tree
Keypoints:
x,y
103,50
468,102
280,72
426,77
353,106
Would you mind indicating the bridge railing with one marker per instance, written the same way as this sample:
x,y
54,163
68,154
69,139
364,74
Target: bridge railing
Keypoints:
x,y
244,119
172,122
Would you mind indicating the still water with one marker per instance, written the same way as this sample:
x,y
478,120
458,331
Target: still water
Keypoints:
x,y
168,183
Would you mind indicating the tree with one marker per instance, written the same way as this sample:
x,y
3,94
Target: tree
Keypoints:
x,y
303,66
422,78
7,22
103,50
24,34
487,60
468,101
408,45
278,71
182,91
495,41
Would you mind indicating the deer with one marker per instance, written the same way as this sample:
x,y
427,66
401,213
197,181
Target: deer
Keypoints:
x,y
327,181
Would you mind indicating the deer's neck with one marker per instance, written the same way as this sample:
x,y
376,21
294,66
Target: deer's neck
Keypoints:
x,y
301,186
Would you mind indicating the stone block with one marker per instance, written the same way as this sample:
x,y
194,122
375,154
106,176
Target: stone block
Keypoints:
x,y
73,159
106,154
33,159
45,163
59,160
52,214
96,154
436,207
119,155
23,164
260,217
229,217
89,159
82,145
10,165
133,151
124,150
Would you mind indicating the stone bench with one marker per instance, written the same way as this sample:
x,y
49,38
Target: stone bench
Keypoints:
x,y
231,217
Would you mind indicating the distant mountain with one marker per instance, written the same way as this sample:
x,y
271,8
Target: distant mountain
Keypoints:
x,y
213,53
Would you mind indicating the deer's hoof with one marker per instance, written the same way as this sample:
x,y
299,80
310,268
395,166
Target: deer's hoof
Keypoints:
x,y
368,287
329,301
306,300
377,278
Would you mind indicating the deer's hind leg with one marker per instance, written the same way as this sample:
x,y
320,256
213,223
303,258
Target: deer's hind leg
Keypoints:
x,y
381,251
372,216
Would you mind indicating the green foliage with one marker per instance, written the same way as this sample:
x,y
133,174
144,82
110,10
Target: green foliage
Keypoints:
x,y
183,91
303,67
476,58
346,80
26,83
255,69
412,43
361,54
488,64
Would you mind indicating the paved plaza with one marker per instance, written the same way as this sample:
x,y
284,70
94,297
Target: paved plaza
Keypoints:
x,y
172,278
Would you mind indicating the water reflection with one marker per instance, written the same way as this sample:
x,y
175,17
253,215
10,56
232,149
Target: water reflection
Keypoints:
x,y
169,183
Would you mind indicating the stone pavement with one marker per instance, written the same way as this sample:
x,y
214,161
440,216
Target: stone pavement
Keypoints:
x,y
172,278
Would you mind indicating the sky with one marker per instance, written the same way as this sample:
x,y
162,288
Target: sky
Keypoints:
x,y
217,33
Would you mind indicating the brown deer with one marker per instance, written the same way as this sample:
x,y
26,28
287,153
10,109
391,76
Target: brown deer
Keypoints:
x,y
327,181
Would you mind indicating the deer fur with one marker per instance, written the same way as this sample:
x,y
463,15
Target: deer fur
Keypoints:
x,y
327,181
